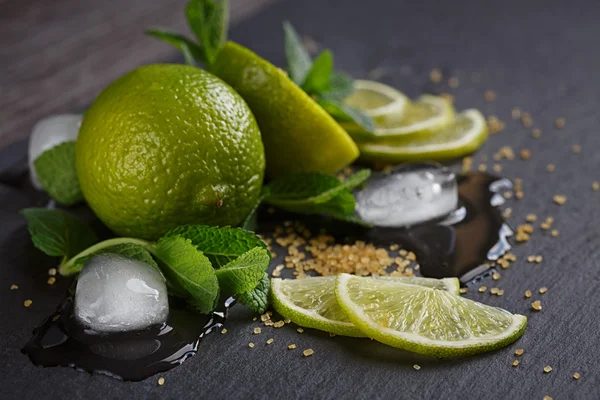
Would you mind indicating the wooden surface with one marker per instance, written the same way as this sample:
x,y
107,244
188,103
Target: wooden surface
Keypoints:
x,y
56,56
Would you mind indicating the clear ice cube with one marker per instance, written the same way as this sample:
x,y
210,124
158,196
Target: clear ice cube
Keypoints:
x,y
50,132
408,195
115,294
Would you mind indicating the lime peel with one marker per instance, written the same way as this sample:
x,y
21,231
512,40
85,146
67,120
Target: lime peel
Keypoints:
x,y
432,147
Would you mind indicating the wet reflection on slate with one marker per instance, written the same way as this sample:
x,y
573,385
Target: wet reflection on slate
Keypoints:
x,y
466,242
131,356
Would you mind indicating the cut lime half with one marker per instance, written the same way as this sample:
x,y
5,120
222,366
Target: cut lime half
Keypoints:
x,y
425,320
422,118
311,302
465,135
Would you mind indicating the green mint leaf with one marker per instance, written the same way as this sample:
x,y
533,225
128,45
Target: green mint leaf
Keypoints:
x,y
244,273
189,49
56,171
318,78
299,186
208,20
258,298
221,245
129,250
219,25
189,272
310,188
315,193
341,204
298,59
58,233
341,86
345,113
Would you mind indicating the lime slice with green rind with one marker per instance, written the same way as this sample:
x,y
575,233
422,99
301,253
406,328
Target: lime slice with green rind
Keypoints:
x,y
423,117
311,302
468,132
378,100
425,320
298,135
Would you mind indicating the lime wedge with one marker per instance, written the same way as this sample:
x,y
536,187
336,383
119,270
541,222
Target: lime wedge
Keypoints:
x,y
425,320
298,135
311,302
468,132
424,117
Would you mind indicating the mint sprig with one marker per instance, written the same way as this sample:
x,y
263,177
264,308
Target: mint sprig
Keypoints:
x,y
258,298
197,260
56,172
319,80
209,21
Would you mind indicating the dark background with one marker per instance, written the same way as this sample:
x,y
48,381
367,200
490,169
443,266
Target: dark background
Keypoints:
x,y
540,56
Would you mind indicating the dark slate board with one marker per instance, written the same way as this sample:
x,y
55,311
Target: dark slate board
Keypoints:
x,y
541,56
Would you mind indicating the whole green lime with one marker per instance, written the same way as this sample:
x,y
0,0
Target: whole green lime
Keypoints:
x,y
166,145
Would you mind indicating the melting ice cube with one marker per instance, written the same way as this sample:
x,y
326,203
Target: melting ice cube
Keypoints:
x,y
115,293
408,195
50,132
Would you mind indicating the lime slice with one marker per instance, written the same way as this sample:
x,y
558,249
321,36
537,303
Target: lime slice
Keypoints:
x,y
425,320
298,135
464,136
311,302
424,117
377,100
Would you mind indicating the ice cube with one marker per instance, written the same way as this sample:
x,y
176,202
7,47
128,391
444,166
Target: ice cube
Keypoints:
x,y
50,132
115,293
408,195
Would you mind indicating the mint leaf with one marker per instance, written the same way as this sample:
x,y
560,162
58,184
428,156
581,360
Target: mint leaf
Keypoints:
x,y
344,113
298,59
129,250
189,271
310,188
318,78
189,49
341,86
58,233
342,204
208,20
244,273
220,244
258,298
56,171
315,193
299,186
